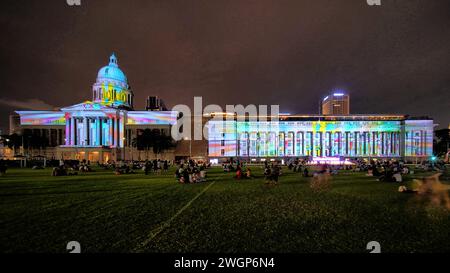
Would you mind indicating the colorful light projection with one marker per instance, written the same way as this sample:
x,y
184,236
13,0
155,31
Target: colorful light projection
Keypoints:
x,y
152,118
315,138
112,94
42,118
419,138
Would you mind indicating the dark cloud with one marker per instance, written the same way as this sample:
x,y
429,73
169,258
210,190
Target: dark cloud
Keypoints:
x,y
31,104
391,59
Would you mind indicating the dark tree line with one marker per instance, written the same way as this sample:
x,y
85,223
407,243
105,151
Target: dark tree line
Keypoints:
x,y
153,140
441,142
28,140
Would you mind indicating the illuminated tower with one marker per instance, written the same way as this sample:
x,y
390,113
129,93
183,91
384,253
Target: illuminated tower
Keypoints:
x,y
337,103
111,87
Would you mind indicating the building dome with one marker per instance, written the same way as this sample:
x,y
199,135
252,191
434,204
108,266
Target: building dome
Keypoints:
x,y
111,87
112,72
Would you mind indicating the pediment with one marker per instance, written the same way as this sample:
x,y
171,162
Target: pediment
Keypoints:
x,y
87,106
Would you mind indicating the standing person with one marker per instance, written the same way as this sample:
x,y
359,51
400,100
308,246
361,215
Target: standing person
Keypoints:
x,y
147,167
275,173
155,166
267,174
305,172
166,166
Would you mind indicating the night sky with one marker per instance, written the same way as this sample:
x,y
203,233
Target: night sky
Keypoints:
x,y
393,58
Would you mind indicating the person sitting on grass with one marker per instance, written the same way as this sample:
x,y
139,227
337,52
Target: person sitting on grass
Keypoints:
x,y
186,175
179,173
275,173
59,171
248,174
388,176
201,176
118,171
290,166
305,172
375,171
397,177
238,173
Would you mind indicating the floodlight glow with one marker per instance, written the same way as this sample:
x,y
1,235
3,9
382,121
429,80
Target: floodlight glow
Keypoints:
x,y
338,94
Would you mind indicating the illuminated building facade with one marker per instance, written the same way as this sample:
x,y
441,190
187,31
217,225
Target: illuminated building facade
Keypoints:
x,y
106,129
356,136
337,103
97,130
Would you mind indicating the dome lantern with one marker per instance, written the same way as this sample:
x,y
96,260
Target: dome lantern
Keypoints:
x,y
113,60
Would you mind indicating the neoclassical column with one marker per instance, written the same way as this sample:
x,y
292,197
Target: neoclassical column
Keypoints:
x,y
88,131
113,135
118,138
99,132
72,132
111,132
68,131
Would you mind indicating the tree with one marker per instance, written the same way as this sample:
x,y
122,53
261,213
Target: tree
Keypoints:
x,y
441,141
154,140
13,141
161,142
28,140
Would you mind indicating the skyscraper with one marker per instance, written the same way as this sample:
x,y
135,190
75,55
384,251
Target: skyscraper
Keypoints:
x,y
337,103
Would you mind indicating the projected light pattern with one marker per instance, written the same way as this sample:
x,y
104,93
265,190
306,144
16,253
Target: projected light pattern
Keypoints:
x,y
318,138
111,87
42,118
152,118
418,137
112,94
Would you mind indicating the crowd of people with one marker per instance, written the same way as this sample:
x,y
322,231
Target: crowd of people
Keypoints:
x,y
156,166
191,172
272,172
384,170
195,172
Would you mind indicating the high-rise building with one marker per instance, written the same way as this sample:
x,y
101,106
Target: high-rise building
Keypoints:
x,y
337,103
154,103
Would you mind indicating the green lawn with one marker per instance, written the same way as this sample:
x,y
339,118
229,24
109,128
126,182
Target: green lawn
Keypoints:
x,y
138,213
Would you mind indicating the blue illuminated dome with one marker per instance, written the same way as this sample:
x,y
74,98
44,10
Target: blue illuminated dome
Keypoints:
x,y
112,72
111,87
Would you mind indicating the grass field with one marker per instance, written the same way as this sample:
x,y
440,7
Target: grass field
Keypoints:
x,y
138,213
